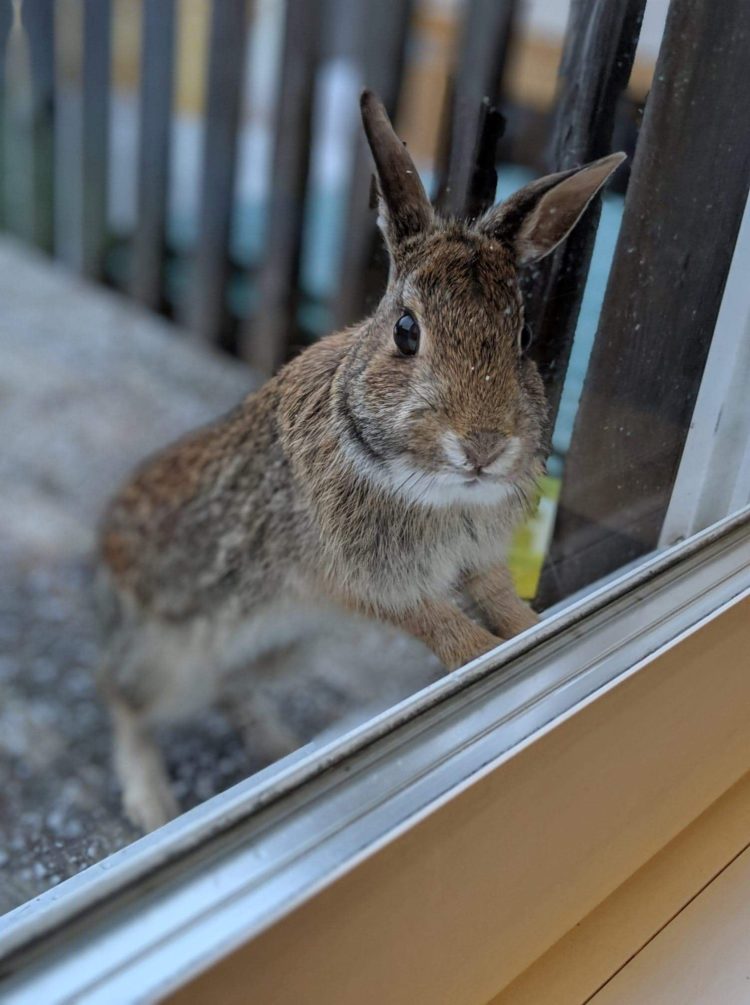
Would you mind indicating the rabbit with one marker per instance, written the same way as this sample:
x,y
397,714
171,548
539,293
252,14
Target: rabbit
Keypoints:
x,y
381,471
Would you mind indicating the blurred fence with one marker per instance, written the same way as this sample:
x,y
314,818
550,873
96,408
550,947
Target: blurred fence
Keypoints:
x,y
670,264
374,40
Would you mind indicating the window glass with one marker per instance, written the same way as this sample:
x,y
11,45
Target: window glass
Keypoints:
x,y
204,171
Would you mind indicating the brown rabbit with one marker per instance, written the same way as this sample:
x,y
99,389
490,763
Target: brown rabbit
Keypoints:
x,y
381,471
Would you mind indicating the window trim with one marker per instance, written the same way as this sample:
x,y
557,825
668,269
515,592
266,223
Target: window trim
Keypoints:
x,y
611,937
713,477
251,860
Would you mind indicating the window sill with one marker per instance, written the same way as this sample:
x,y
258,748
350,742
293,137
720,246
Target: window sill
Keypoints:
x,y
675,933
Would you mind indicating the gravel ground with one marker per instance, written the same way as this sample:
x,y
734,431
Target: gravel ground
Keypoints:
x,y
88,385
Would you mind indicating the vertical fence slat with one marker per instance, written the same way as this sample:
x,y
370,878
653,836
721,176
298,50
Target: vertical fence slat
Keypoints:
x,y
483,179
226,72
385,29
597,58
688,188
157,85
97,53
266,339
39,23
441,160
6,20
481,61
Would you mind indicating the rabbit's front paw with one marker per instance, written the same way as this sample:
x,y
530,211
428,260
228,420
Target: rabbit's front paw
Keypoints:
x,y
475,641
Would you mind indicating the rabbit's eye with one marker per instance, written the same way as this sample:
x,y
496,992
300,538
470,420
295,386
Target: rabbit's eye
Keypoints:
x,y
525,338
406,334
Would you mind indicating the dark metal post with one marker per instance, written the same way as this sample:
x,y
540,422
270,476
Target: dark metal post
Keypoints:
x,y
597,58
267,336
39,22
226,69
385,29
483,178
155,120
6,20
481,62
688,189
97,53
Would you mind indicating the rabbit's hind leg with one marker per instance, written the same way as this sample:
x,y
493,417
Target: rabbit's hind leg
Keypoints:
x,y
147,676
151,671
146,795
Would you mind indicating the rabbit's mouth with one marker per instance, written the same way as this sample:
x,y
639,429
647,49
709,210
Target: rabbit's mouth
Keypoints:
x,y
480,478
453,486
474,479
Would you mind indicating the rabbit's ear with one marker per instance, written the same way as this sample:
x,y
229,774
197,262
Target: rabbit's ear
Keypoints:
x,y
539,216
404,209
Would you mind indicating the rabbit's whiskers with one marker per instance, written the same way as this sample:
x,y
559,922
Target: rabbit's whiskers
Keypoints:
x,y
404,483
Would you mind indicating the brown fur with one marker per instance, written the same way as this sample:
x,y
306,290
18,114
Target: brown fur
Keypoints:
x,y
346,480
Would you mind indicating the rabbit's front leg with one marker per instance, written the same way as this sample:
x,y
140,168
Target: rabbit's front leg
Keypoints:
x,y
493,592
443,627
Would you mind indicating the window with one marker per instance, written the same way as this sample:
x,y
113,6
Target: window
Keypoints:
x,y
360,799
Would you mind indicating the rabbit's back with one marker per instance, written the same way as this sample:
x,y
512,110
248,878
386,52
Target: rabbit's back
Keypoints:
x,y
205,522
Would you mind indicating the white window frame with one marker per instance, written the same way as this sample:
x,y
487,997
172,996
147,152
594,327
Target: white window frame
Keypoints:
x,y
713,479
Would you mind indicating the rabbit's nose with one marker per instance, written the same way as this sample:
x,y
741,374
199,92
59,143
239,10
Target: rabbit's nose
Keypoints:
x,y
483,447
